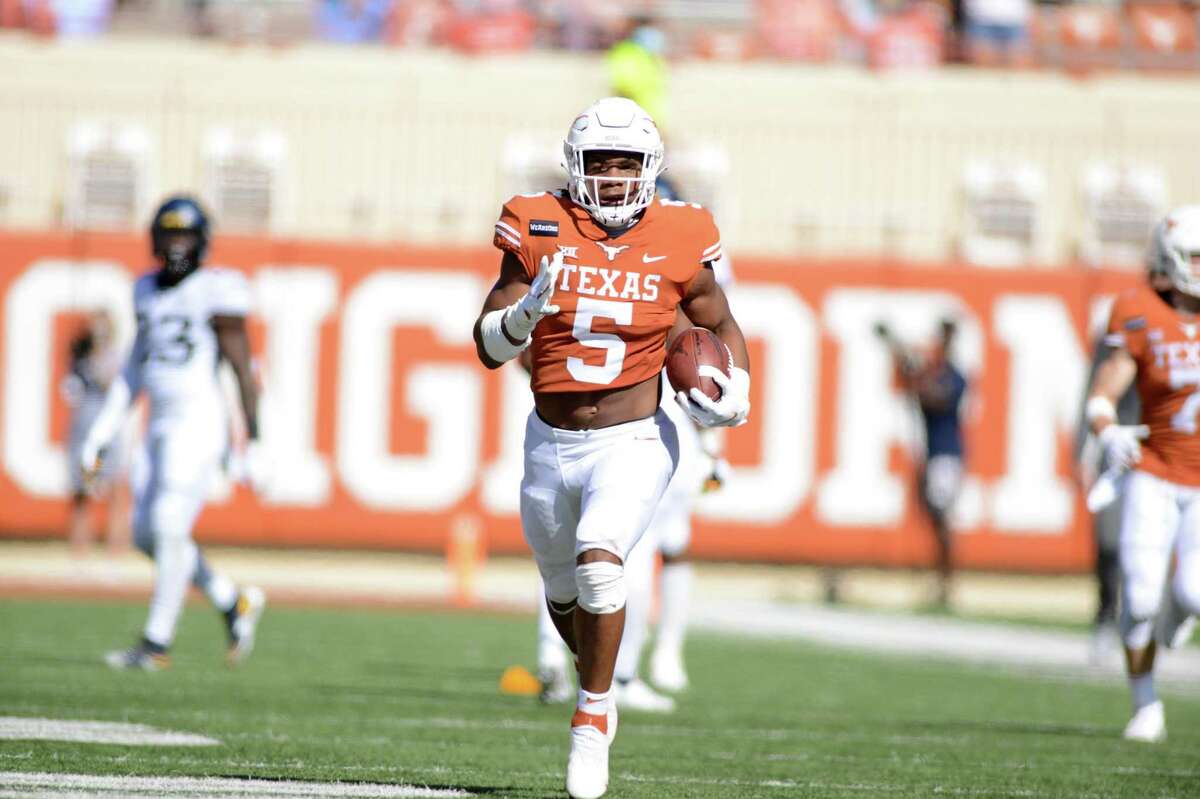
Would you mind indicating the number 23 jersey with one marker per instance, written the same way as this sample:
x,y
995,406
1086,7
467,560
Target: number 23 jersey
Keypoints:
x,y
617,295
1166,348
174,357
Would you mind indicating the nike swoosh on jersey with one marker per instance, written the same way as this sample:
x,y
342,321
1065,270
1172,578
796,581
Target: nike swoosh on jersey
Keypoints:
x,y
649,259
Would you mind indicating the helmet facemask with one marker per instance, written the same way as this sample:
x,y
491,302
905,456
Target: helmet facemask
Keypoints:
x,y
179,253
585,189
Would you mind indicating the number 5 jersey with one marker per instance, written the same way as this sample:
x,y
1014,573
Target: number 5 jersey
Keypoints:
x,y
617,295
175,355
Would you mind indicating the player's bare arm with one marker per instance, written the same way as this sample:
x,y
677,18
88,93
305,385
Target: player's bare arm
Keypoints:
x,y
509,288
1114,375
234,345
707,306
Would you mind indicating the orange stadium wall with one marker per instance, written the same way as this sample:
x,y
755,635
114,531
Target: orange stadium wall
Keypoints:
x,y
387,433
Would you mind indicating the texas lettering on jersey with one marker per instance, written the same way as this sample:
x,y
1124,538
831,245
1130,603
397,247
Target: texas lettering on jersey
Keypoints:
x,y
1166,348
617,296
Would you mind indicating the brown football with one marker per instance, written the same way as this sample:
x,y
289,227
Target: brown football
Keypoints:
x,y
693,348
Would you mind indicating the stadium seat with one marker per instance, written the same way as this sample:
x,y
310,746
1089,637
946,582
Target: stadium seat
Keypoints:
x,y
1087,37
108,176
1164,37
1121,205
244,173
1003,224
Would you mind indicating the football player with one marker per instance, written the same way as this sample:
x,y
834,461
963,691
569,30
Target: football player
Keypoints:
x,y
187,319
1154,345
590,280
1106,506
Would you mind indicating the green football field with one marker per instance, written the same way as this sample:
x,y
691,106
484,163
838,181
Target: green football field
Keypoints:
x,y
389,697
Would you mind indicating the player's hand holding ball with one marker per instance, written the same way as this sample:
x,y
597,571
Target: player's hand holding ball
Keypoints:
x,y
710,389
523,317
1122,443
91,458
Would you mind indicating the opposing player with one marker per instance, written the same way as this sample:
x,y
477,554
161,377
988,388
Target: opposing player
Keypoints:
x,y
187,318
590,280
1156,344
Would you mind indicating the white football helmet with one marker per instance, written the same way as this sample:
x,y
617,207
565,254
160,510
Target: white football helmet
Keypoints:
x,y
613,123
1175,249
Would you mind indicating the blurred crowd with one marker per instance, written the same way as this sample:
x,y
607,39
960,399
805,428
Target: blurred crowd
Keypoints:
x,y
883,34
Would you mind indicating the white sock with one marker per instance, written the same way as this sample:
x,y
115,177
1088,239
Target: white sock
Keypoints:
x,y
175,562
551,649
1141,688
639,583
595,704
673,612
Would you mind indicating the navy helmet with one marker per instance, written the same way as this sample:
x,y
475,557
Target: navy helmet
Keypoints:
x,y
179,255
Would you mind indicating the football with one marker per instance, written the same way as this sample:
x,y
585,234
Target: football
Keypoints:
x,y
693,348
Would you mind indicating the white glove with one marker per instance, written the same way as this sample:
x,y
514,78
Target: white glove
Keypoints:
x,y
730,410
256,466
523,316
1121,443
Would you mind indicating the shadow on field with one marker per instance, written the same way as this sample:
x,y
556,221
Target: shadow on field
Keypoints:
x,y
474,790
1010,728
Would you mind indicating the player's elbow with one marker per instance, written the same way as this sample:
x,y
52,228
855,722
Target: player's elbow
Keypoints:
x,y
481,352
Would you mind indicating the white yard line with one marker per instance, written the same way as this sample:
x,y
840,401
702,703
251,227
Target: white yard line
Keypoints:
x,y
984,643
16,728
28,784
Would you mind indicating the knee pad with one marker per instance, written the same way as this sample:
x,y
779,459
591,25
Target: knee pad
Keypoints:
x,y
601,587
1136,633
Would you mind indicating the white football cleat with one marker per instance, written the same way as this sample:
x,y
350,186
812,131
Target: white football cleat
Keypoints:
x,y
637,695
556,685
244,624
1148,725
666,671
587,762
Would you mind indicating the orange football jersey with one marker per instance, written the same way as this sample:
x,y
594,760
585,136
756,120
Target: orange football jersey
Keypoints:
x,y
617,296
1166,347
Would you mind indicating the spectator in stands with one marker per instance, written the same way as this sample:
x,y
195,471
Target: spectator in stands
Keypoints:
x,y
70,18
93,362
937,388
352,21
996,32
637,67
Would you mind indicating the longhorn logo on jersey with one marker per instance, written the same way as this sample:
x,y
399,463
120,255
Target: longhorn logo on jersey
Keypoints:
x,y
612,327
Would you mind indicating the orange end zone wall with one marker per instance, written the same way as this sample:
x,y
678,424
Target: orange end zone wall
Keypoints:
x,y
824,468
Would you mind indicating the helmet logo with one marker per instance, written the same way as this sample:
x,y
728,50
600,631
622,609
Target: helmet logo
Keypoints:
x,y
581,123
612,252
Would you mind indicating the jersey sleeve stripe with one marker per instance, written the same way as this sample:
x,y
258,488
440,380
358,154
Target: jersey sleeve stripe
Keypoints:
x,y
1114,340
707,250
710,256
507,228
507,237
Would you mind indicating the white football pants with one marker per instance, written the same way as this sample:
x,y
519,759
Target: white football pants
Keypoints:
x,y
1160,519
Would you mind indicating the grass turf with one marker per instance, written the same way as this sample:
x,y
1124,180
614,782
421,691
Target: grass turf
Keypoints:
x,y
380,696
